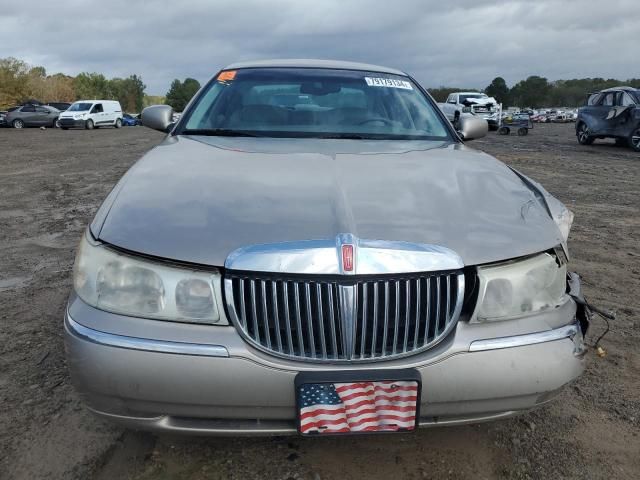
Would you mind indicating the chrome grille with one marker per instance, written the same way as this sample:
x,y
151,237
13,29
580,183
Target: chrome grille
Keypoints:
x,y
344,319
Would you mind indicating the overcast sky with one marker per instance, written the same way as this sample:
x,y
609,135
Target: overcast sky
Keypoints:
x,y
451,42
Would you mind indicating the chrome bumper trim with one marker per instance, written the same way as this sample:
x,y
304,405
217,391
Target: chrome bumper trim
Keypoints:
x,y
231,427
144,344
568,331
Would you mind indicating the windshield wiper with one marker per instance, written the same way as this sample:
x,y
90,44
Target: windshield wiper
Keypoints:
x,y
218,132
347,136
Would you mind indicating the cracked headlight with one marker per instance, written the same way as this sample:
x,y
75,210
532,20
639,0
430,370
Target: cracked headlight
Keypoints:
x,y
135,286
520,288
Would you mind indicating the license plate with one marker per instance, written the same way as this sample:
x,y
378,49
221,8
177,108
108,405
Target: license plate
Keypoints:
x,y
358,403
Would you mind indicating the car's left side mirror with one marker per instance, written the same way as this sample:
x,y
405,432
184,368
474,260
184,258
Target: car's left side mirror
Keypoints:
x,y
158,117
471,127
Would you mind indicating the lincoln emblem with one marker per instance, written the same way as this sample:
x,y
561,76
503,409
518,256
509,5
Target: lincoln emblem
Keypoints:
x,y
347,258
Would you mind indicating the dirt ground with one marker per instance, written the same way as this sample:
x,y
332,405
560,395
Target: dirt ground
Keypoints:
x,y
52,182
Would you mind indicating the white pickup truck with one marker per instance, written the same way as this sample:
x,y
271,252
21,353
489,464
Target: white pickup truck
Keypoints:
x,y
475,103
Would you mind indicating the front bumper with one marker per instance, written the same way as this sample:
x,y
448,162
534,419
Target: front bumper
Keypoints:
x,y
206,380
70,123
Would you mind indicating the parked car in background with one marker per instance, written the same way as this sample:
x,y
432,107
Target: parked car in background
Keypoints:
x,y
129,120
560,117
3,114
540,118
32,116
62,106
611,113
91,114
308,233
475,103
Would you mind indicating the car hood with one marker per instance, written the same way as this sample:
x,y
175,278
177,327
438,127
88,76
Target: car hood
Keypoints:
x,y
197,199
67,113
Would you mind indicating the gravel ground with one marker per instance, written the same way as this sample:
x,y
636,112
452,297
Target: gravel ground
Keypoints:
x,y
52,182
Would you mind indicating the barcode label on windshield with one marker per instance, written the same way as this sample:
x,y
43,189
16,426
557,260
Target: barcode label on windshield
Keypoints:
x,y
387,82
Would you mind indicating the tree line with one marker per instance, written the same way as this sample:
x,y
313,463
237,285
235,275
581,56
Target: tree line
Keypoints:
x,y
21,83
537,92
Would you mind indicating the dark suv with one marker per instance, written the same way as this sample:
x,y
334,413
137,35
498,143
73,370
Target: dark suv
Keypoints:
x,y
611,113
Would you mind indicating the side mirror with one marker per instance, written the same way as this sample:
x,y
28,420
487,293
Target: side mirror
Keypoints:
x,y
471,127
158,117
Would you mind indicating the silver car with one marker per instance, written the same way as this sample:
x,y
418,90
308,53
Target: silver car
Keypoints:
x,y
32,116
313,249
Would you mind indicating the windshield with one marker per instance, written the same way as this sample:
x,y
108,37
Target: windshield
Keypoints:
x,y
79,107
318,103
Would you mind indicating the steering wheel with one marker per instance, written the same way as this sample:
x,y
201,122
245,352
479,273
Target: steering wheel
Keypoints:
x,y
386,121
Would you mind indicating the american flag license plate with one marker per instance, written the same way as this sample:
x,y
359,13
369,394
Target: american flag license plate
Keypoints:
x,y
358,406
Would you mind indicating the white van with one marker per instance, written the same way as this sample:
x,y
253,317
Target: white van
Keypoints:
x,y
91,114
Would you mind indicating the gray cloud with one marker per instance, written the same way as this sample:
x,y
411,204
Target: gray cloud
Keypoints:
x,y
458,43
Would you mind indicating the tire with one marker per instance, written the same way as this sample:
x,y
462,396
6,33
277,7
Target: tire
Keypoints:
x,y
522,132
118,123
55,123
634,139
17,123
89,124
504,131
582,132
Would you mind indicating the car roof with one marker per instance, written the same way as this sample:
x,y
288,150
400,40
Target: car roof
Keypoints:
x,y
617,89
308,63
94,100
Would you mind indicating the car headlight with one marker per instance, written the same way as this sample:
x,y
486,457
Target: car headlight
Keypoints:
x,y
520,288
124,284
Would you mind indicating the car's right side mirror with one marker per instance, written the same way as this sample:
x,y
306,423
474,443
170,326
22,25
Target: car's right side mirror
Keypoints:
x,y
158,117
471,127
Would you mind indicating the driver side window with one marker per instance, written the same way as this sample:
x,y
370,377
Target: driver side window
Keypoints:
x,y
608,99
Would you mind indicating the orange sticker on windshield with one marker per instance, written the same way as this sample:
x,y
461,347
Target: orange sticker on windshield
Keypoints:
x,y
226,76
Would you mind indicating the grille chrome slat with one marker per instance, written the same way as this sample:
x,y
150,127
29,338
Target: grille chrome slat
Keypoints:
x,y
254,311
374,332
265,314
276,315
407,313
312,340
304,319
332,322
437,329
296,299
364,320
386,318
396,317
323,345
418,301
243,305
427,324
287,316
